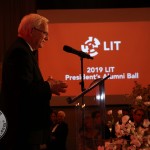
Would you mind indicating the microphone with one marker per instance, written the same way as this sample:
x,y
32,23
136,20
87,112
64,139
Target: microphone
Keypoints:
x,y
76,52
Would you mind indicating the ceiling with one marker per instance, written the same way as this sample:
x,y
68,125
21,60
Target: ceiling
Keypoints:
x,y
90,4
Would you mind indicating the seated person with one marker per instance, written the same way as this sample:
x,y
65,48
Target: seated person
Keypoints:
x,y
98,122
59,133
89,137
53,119
138,116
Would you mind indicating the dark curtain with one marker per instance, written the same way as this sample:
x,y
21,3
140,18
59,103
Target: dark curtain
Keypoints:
x,y
11,12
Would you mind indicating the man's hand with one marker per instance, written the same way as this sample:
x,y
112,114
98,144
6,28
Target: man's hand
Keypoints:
x,y
57,86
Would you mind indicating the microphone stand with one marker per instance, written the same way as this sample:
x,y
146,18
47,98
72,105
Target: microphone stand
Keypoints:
x,y
82,89
82,79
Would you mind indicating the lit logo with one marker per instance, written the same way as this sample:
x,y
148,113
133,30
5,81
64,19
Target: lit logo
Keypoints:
x,y
90,45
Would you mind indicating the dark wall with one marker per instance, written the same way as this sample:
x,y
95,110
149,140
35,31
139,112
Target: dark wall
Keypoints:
x,y
11,13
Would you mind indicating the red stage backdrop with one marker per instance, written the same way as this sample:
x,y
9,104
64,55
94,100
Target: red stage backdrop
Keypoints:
x,y
117,39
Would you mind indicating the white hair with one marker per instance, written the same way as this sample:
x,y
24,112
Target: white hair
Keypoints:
x,y
62,113
30,21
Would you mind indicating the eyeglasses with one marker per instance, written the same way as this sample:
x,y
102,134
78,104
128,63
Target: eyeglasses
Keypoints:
x,y
44,32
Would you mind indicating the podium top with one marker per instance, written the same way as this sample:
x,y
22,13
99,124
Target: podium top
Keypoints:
x,y
100,81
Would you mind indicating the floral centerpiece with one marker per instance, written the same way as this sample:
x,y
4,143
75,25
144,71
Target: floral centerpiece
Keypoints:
x,y
128,135
141,97
111,119
139,90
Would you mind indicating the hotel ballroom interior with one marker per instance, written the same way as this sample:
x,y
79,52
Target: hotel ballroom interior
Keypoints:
x,y
101,49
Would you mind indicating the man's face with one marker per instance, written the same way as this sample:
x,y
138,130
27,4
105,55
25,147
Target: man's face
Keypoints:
x,y
60,117
53,117
138,116
39,36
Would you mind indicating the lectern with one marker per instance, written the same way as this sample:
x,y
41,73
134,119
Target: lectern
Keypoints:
x,y
84,118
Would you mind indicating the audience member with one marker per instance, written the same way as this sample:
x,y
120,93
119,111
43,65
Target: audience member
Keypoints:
x,y
53,119
47,132
125,111
97,118
89,137
59,133
138,116
25,94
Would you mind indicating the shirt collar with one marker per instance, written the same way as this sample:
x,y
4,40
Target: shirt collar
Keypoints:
x,y
30,47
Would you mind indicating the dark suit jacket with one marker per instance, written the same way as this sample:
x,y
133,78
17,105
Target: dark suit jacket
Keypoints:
x,y
25,95
60,135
